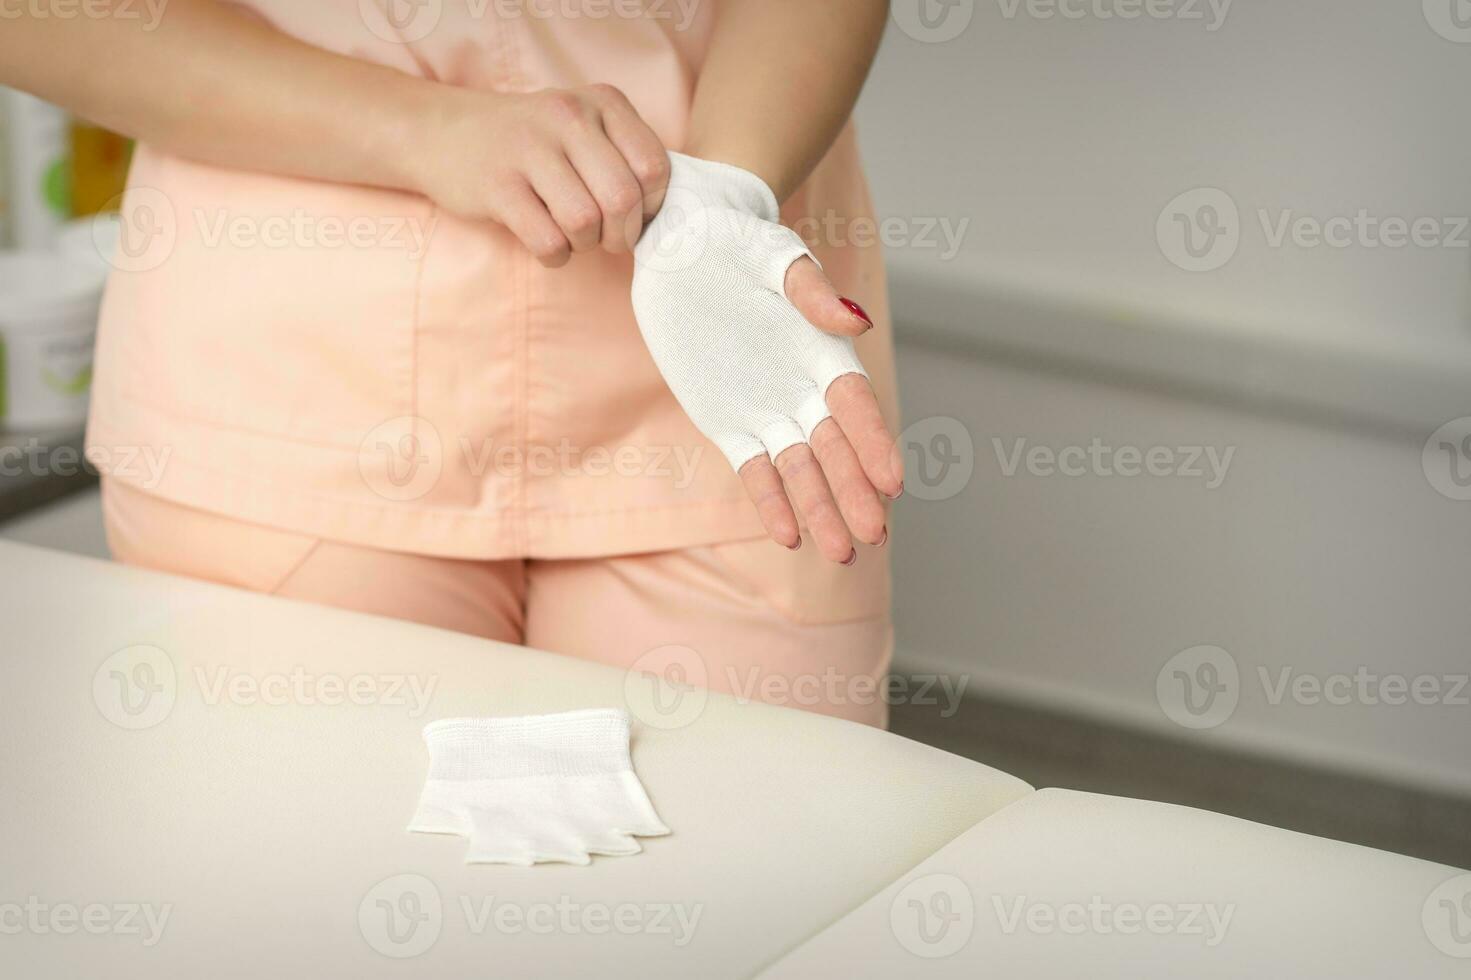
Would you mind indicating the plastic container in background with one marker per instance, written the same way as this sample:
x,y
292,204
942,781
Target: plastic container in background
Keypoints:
x,y
48,323
38,166
4,177
91,243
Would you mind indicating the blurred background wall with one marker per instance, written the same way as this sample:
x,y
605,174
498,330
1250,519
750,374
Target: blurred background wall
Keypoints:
x,y
1063,137
1337,546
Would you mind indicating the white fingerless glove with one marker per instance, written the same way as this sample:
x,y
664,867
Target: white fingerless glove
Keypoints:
x,y
709,294
527,790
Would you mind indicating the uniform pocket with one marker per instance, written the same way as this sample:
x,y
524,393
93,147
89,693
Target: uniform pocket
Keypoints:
x,y
806,588
276,306
150,532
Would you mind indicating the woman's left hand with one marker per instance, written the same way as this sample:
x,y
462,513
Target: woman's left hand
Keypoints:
x,y
850,459
757,346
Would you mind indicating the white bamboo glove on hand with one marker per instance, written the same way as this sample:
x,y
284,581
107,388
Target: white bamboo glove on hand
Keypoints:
x,y
709,294
528,790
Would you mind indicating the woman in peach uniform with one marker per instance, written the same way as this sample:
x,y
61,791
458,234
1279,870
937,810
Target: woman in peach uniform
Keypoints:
x,y
373,305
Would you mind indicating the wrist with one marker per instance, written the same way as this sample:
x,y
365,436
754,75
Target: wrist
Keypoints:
x,y
717,181
420,127
779,178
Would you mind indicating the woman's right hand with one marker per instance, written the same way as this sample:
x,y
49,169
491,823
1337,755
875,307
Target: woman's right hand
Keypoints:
x,y
565,170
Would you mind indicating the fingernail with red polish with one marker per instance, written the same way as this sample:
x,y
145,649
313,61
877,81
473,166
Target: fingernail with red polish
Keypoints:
x,y
853,558
857,311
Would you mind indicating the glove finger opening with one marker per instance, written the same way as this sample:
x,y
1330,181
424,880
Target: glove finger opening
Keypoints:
x,y
781,436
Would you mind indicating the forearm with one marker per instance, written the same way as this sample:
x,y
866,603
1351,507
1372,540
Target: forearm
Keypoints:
x,y
810,58
214,83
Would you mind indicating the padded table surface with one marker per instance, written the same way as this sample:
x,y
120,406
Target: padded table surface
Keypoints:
x,y
201,781
1065,884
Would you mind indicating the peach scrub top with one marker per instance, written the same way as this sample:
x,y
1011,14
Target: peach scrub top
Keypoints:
x,y
355,364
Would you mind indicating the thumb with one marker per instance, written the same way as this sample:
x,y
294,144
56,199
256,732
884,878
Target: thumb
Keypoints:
x,y
813,295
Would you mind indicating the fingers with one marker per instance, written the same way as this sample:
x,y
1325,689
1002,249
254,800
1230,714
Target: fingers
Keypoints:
x,y
609,178
637,142
593,171
598,172
813,295
569,203
808,489
619,170
764,487
857,501
830,488
525,214
856,412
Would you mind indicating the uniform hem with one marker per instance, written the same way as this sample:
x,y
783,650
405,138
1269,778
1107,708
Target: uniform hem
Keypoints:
x,y
196,472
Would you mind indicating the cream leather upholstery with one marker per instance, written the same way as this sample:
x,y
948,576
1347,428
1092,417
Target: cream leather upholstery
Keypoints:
x,y
246,766
268,826
1064,884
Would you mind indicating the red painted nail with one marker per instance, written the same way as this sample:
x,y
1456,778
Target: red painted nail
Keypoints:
x,y
857,311
853,558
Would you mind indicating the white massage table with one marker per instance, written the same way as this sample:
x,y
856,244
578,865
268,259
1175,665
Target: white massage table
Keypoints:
x,y
269,824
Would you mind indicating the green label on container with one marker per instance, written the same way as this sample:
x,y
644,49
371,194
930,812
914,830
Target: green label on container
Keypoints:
x,y
75,385
56,188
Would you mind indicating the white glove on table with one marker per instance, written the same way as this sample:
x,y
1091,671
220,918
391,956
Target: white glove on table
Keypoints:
x,y
527,790
709,294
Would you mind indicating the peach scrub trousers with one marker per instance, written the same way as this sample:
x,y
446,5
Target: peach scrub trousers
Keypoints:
x,y
799,631
363,401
